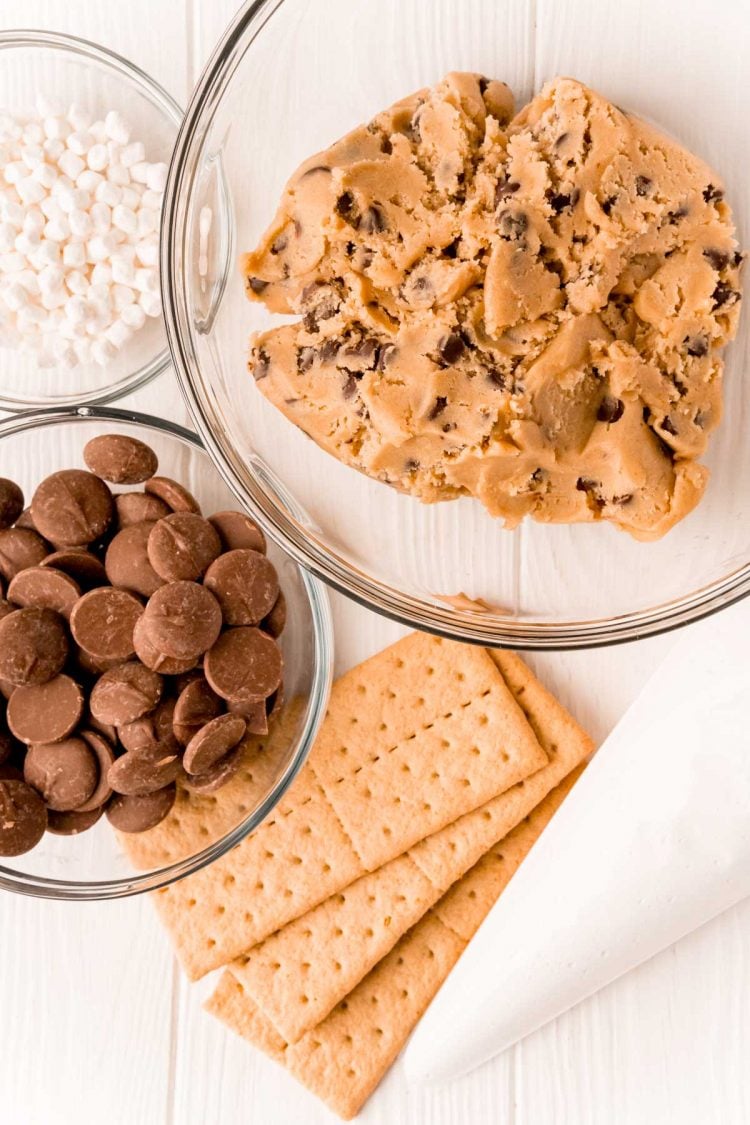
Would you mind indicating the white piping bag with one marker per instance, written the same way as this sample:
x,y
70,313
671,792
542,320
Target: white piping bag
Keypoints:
x,y
653,841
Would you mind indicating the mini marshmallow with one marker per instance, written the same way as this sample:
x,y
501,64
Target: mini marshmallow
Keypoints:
x,y
116,127
133,154
122,296
118,174
101,351
134,316
71,164
97,157
146,280
89,181
53,149
101,274
74,255
80,224
139,172
118,334
77,282
125,219
156,177
123,271
56,128
109,193
80,143
58,230
78,117
150,303
101,217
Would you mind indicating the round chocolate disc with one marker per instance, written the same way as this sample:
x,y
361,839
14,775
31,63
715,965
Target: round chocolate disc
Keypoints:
x,y
182,546
23,818
33,646
72,823
182,619
138,814
11,502
152,730
83,567
64,773
175,495
127,563
245,585
26,520
102,750
157,661
45,712
120,459
236,530
102,623
139,507
213,742
140,772
219,774
46,587
275,621
20,547
196,705
72,508
125,692
244,665
254,714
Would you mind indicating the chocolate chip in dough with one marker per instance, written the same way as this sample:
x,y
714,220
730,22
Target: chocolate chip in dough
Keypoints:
x,y
101,748
244,665
45,587
141,772
175,496
157,661
45,712
120,459
182,546
213,742
125,693
197,704
80,565
127,563
275,621
64,773
73,823
245,585
138,814
20,548
611,409
450,349
102,623
23,818
72,508
182,620
236,530
139,507
33,646
11,502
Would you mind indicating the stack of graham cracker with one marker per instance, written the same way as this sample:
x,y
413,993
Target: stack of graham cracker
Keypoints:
x,y
437,767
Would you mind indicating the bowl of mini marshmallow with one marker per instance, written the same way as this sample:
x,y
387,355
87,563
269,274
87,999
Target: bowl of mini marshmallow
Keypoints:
x,y
85,142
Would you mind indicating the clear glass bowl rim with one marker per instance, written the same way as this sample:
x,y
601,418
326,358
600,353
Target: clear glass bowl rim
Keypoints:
x,y
32,38
40,887
261,494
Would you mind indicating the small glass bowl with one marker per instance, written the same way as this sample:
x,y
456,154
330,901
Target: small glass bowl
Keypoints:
x,y
70,70
92,865
287,79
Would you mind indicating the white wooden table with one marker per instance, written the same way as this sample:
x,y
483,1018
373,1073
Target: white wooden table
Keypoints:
x,y
95,1022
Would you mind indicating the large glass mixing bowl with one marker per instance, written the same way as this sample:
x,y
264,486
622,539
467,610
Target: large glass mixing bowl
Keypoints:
x,y
289,77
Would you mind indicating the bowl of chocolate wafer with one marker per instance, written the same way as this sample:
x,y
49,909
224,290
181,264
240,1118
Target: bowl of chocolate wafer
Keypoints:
x,y
161,662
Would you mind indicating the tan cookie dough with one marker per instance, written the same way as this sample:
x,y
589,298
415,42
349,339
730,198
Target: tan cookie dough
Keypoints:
x,y
528,309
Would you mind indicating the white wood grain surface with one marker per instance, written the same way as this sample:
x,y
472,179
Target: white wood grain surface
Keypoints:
x,y
95,1023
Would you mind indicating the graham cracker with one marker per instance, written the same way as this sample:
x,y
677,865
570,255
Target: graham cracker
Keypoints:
x,y
298,975
343,1059
336,825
